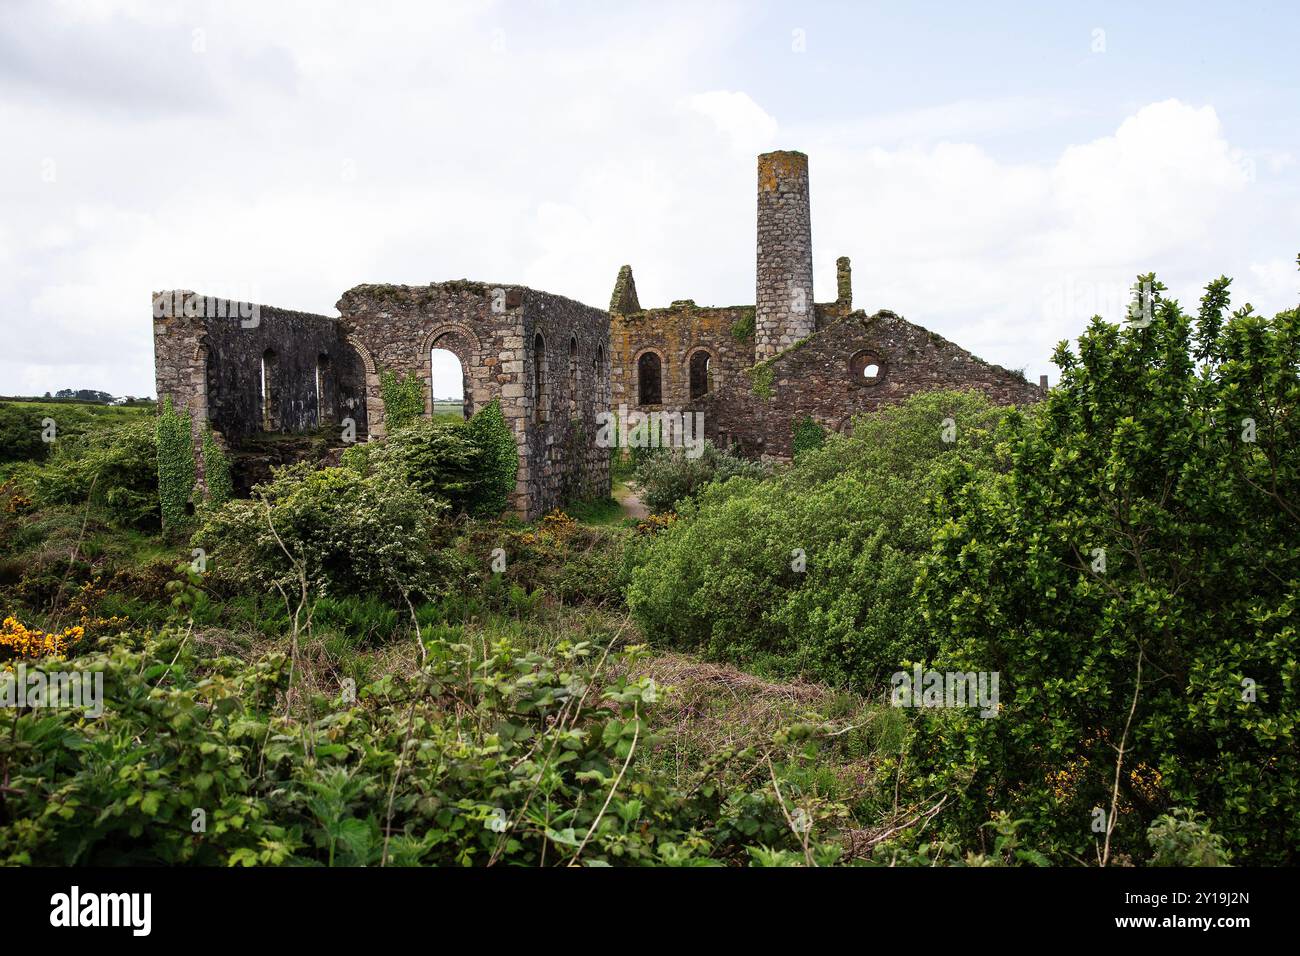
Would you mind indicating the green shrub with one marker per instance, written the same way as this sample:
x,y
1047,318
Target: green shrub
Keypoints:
x,y
20,433
439,459
669,476
811,571
350,534
499,459
114,467
1181,838
176,472
1133,576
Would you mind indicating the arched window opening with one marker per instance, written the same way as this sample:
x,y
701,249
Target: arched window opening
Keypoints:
x,y
270,391
325,413
539,379
701,369
649,377
573,377
447,384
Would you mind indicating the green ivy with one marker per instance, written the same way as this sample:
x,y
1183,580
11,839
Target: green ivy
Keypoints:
x,y
403,399
216,470
742,330
808,435
761,378
175,465
500,468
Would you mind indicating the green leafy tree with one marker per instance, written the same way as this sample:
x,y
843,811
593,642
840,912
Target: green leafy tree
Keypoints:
x,y
1133,577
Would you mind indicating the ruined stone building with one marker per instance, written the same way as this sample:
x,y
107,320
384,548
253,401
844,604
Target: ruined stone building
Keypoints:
x,y
755,371
256,373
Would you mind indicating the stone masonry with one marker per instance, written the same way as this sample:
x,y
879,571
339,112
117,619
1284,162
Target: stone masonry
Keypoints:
x,y
784,295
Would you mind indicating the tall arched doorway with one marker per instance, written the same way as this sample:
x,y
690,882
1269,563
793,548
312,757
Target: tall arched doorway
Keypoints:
x,y
447,384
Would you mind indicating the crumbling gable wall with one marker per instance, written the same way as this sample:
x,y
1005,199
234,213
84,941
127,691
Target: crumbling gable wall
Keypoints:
x,y
821,377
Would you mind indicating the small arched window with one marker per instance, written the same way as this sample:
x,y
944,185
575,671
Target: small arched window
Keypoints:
x,y
539,378
701,367
649,377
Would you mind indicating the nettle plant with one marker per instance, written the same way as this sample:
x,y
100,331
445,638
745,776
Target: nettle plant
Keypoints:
x,y
1133,574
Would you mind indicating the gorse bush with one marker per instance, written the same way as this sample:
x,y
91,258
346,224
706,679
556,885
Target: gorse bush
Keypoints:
x,y
1133,575
667,476
20,433
811,571
347,533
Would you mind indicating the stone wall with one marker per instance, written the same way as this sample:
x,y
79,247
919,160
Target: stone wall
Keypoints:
x,y
676,334
208,358
492,330
563,461
823,377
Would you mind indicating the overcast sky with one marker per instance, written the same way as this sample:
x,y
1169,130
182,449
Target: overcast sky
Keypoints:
x,y
996,175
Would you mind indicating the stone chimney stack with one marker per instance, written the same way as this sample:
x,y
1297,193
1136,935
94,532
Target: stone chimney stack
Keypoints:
x,y
784,296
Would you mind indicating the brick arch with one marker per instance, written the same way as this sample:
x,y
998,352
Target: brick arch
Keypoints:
x,y
468,355
462,342
375,424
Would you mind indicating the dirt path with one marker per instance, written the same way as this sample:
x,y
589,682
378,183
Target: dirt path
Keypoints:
x,y
633,507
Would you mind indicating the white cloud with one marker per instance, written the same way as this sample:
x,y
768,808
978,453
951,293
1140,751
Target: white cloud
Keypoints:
x,y
298,155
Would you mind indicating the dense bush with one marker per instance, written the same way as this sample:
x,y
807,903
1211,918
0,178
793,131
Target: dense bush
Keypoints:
x,y
524,758
1133,576
403,399
347,532
472,464
811,571
498,460
668,475
20,433
114,468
